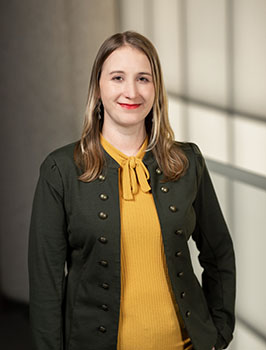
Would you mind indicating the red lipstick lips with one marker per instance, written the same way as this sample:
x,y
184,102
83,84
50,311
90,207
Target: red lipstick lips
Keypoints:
x,y
129,106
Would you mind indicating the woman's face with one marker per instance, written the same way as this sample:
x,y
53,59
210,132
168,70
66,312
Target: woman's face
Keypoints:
x,y
126,87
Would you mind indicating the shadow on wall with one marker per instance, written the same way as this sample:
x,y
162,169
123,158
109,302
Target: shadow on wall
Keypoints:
x,y
14,325
47,49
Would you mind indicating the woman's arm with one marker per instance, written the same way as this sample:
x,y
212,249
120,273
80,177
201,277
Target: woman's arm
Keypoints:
x,y
216,256
47,256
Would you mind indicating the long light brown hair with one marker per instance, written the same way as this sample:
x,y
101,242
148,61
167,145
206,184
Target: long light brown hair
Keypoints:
x,y
88,153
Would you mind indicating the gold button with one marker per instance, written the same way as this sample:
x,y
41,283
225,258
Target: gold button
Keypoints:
x,y
182,295
173,208
158,171
103,196
105,285
179,253
179,232
102,329
102,215
104,307
102,239
101,177
103,263
164,189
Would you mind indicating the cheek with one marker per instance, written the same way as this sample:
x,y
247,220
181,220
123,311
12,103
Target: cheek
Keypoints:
x,y
108,91
147,92
150,95
104,88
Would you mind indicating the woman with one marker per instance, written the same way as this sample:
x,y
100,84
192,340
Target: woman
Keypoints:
x,y
109,263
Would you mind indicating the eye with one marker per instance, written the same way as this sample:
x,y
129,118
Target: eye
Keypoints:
x,y
144,79
117,78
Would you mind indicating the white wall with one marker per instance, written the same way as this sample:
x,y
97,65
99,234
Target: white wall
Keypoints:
x,y
213,54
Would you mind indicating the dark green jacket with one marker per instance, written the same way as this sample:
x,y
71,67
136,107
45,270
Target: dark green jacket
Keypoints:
x,y
74,254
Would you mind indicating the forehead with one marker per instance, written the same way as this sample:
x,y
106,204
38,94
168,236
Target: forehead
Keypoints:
x,y
127,58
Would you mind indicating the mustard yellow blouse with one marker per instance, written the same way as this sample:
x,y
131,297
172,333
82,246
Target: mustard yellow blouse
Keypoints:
x,y
149,317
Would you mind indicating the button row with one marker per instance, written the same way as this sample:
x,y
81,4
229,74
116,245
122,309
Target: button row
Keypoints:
x,y
102,329
102,178
103,196
102,239
102,215
104,263
165,189
180,274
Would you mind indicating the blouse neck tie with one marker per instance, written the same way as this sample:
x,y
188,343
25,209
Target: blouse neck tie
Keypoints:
x,y
134,174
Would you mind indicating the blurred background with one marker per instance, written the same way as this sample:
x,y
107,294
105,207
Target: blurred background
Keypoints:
x,y
213,54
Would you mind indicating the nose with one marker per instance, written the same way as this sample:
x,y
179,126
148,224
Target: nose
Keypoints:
x,y
130,89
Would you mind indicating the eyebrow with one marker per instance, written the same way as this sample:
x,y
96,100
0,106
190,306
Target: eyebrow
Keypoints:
x,y
120,71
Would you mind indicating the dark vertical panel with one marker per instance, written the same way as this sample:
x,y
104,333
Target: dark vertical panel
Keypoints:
x,y
47,49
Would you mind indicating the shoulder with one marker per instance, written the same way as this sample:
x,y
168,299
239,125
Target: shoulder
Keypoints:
x,y
193,153
190,149
59,162
64,153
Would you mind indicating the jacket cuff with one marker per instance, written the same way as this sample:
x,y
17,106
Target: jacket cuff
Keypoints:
x,y
220,343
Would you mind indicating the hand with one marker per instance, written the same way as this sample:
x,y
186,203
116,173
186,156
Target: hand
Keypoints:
x,y
213,348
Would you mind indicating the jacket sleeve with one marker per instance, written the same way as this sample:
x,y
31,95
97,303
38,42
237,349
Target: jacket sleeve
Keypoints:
x,y
216,255
46,258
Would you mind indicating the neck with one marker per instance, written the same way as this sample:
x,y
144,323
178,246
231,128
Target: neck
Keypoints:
x,y
127,141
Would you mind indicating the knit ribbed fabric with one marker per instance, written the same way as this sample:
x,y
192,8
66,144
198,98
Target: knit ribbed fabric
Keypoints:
x,y
149,318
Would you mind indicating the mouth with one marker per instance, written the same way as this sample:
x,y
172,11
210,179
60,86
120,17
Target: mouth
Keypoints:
x,y
129,106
